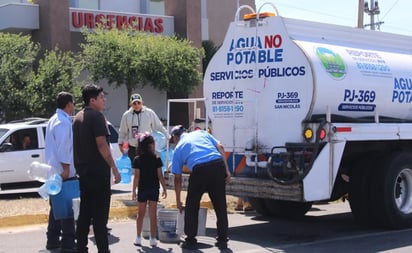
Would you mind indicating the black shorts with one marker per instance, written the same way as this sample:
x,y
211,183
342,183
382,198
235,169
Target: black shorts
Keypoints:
x,y
148,195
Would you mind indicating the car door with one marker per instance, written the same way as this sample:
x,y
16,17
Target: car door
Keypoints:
x,y
24,149
114,146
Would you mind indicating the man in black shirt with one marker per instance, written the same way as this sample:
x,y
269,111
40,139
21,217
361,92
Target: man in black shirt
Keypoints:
x,y
93,162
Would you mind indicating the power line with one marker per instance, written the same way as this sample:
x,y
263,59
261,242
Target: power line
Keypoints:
x,y
315,12
393,5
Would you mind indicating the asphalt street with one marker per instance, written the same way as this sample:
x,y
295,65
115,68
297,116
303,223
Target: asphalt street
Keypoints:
x,y
328,228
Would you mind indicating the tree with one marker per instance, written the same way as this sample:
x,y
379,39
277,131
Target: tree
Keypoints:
x,y
210,50
171,64
17,54
57,71
136,59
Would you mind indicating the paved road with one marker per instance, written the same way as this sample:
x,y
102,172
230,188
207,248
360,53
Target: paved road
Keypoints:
x,y
326,228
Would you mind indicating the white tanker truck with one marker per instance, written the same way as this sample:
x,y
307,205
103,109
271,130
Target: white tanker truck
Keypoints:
x,y
313,112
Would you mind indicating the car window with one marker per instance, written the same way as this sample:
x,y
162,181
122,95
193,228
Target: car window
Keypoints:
x,y
3,131
44,132
114,136
23,139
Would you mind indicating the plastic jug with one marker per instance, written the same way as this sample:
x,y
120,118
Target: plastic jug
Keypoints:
x,y
160,141
169,159
124,165
54,184
39,171
42,191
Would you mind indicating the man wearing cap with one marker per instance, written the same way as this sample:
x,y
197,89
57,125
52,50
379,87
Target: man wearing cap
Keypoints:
x,y
204,157
137,119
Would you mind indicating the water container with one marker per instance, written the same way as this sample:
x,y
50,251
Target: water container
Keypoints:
x,y
54,184
167,224
201,223
124,165
160,141
76,208
43,191
39,171
146,221
163,155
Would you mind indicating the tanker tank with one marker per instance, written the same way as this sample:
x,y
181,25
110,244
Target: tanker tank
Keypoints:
x,y
271,75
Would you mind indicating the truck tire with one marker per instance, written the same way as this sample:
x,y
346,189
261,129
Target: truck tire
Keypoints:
x,y
360,192
287,209
259,205
393,201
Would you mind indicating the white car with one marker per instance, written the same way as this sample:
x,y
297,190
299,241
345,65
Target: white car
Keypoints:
x,y
21,143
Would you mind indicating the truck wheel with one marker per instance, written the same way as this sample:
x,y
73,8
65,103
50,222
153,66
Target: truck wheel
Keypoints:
x,y
360,193
287,209
259,205
394,198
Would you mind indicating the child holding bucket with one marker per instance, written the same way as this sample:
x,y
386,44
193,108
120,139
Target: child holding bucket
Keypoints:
x,y
147,175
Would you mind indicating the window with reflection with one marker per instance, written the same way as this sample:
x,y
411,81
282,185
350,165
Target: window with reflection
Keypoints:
x,y
85,4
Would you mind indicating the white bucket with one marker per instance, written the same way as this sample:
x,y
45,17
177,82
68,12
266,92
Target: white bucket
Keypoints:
x,y
167,223
76,208
146,221
201,224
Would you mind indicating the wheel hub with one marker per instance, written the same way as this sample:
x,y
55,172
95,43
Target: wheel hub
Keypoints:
x,y
403,191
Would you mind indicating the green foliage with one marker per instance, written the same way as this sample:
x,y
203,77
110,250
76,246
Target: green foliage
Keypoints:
x,y
57,72
17,54
109,54
28,92
136,59
171,64
123,57
210,50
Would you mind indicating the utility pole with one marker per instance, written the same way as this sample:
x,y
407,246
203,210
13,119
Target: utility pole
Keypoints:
x,y
360,13
372,11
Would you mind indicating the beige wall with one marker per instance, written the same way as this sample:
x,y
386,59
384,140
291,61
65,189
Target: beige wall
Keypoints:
x,y
54,24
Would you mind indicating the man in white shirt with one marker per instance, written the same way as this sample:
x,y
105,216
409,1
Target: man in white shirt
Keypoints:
x,y
59,155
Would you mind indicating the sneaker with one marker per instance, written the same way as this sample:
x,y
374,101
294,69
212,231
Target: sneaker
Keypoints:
x,y
138,241
53,245
153,242
189,245
221,245
64,250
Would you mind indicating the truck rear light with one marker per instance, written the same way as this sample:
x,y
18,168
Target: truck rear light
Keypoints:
x,y
308,134
322,134
343,129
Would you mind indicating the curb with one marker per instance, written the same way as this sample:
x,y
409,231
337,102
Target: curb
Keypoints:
x,y
122,208
120,213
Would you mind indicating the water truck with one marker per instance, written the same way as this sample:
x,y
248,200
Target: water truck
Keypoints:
x,y
311,112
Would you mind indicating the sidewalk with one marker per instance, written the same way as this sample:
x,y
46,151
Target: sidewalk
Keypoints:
x,y
34,210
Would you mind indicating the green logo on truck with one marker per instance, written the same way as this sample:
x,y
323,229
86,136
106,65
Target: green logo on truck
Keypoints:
x,y
332,62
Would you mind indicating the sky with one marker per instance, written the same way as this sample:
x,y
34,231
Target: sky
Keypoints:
x,y
394,13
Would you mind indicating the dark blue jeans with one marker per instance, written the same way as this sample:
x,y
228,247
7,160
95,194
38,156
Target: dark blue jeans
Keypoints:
x,y
60,231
